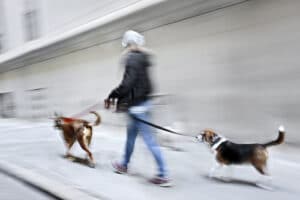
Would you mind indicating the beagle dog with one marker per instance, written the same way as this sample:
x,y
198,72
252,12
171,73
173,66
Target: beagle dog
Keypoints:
x,y
227,152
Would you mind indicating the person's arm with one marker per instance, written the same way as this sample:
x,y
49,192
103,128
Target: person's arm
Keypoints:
x,y
129,79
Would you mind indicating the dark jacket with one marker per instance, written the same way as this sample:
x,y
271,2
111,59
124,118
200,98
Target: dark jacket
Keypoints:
x,y
136,84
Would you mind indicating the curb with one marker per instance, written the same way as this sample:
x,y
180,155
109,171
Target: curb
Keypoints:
x,y
51,187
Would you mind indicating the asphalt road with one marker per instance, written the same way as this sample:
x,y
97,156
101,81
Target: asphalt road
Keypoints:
x,y
38,147
12,189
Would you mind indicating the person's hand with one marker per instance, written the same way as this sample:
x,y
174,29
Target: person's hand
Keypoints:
x,y
111,99
108,102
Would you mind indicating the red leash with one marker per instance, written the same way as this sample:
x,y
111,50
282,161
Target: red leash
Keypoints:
x,y
68,119
80,114
84,112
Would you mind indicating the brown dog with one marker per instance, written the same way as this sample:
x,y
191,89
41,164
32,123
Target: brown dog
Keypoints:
x,y
77,129
228,153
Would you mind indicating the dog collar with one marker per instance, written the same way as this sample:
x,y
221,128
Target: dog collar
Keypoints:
x,y
218,143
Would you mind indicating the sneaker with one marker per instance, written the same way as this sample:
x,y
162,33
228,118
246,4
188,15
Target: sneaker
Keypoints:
x,y
118,168
162,182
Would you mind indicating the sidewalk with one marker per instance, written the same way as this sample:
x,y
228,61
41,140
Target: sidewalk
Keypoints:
x,y
38,151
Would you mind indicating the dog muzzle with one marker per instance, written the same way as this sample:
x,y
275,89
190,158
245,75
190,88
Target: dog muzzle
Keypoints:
x,y
199,138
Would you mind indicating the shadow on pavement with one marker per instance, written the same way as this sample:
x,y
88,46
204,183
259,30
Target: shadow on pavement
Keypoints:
x,y
235,181
78,160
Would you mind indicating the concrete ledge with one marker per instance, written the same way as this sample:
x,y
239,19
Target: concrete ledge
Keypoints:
x,y
142,16
53,188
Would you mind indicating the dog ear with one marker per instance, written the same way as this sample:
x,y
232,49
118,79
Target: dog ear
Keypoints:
x,y
214,137
56,114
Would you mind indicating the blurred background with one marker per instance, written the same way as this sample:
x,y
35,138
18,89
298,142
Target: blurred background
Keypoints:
x,y
230,65
227,64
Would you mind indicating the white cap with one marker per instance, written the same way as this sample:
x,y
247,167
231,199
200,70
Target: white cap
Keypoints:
x,y
132,37
281,128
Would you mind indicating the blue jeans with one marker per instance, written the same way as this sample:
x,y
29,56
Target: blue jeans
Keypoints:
x,y
134,127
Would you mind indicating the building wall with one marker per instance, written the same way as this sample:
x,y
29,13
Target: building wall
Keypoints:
x,y
13,30
52,17
235,70
1,26
56,18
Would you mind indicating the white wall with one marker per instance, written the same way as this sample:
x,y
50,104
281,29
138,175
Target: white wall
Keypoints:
x,y
1,17
235,70
1,26
13,23
56,18
53,17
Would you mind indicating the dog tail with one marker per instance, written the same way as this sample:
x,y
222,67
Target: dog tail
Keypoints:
x,y
98,119
279,140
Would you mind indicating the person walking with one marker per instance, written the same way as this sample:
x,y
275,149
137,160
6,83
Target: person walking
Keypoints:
x,y
132,96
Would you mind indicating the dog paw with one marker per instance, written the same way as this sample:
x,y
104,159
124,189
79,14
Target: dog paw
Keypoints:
x,y
71,159
92,165
225,179
68,155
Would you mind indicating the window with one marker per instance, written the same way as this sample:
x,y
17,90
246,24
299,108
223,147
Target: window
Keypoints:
x,y
31,20
1,27
36,103
1,43
7,105
31,25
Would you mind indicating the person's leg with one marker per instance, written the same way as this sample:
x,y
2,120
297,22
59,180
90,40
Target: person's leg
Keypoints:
x,y
151,143
132,132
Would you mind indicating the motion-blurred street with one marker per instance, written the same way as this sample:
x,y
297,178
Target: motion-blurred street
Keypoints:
x,y
229,65
37,147
12,189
